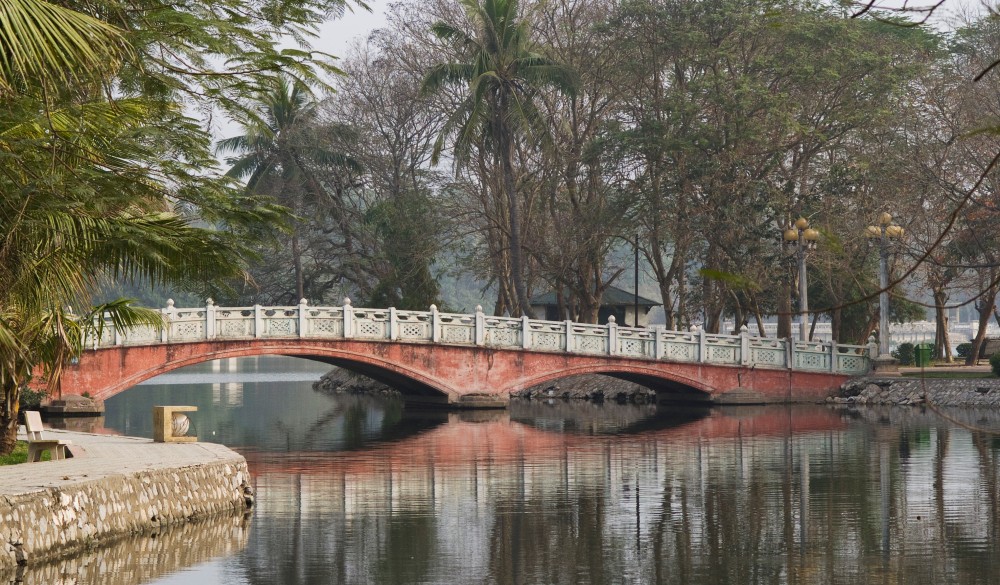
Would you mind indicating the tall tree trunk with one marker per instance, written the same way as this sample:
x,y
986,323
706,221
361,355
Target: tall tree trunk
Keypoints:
x,y
8,417
300,292
985,309
785,310
514,213
942,343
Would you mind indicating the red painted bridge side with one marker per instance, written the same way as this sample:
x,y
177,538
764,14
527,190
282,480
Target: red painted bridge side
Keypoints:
x,y
452,374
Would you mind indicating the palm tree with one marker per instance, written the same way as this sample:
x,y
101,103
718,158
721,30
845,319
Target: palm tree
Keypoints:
x,y
84,199
502,74
275,156
47,44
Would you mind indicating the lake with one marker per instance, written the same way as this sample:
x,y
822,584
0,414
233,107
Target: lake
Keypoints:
x,y
361,490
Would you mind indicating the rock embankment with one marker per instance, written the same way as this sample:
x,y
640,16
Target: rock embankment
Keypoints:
x,y
974,392
341,381
593,388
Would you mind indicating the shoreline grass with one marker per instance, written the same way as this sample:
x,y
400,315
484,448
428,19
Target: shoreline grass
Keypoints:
x,y
20,455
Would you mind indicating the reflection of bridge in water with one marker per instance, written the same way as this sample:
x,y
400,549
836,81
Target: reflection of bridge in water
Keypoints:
x,y
732,495
470,360
468,438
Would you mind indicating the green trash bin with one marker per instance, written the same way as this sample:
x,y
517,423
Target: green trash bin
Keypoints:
x,y
922,355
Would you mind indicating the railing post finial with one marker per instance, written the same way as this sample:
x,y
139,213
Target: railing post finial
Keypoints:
x,y
347,301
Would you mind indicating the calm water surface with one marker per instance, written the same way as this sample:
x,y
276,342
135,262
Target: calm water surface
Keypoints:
x,y
355,490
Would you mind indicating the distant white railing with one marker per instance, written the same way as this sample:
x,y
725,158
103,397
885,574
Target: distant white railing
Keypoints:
x,y
478,329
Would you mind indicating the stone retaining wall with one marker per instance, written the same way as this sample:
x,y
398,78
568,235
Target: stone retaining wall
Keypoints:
x,y
970,392
141,558
53,522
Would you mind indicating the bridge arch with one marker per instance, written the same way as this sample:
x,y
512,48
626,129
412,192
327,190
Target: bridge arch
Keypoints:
x,y
408,380
657,379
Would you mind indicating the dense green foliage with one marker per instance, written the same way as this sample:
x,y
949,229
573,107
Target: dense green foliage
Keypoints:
x,y
104,177
995,364
904,352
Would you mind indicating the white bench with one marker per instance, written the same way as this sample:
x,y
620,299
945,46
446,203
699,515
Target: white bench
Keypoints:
x,y
36,444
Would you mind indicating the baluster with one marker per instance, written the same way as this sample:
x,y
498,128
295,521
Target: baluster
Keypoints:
x,y
702,344
612,336
168,313
658,332
258,321
393,324
525,333
209,318
744,345
569,336
480,326
348,319
833,357
303,314
435,325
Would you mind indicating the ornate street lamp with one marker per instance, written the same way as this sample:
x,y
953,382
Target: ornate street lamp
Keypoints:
x,y
801,239
884,232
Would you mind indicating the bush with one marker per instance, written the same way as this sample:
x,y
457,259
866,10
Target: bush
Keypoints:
x,y
31,399
995,364
963,350
904,353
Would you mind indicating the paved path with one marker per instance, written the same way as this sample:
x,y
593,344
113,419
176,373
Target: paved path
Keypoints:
x,y
106,455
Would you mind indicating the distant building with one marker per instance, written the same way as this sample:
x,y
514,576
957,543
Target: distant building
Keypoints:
x,y
615,302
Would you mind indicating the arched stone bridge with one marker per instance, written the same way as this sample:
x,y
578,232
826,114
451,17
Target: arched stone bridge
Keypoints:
x,y
469,360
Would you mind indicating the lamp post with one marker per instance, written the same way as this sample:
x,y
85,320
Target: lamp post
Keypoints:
x,y
883,232
802,239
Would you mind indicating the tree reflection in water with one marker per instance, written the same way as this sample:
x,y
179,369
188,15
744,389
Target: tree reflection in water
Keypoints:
x,y
361,492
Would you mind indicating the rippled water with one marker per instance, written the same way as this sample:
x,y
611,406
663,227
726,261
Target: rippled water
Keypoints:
x,y
357,490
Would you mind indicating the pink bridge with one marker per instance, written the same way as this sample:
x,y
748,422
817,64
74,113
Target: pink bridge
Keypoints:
x,y
470,360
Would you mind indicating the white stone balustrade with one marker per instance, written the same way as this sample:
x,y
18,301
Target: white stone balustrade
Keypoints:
x,y
391,325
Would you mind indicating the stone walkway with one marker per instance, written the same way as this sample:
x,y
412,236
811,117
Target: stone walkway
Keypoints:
x,y
100,456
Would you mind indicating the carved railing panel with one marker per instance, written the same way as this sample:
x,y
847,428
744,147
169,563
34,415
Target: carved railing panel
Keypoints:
x,y
414,326
371,323
280,322
324,322
591,339
458,329
768,352
679,346
234,323
637,343
502,332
